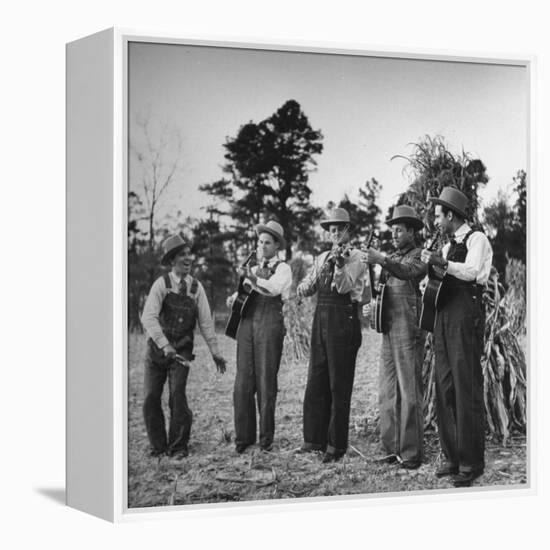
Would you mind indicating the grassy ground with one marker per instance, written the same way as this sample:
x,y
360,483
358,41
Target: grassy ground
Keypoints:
x,y
214,472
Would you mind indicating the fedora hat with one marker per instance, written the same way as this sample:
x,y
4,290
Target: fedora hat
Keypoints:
x,y
170,247
274,229
336,216
405,214
454,199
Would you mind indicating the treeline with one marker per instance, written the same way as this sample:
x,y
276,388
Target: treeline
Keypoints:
x,y
266,173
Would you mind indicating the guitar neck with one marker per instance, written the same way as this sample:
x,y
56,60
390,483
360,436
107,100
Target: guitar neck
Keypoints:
x,y
371,267
371,281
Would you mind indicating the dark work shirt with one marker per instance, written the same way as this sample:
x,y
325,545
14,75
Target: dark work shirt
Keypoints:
x,y
406,264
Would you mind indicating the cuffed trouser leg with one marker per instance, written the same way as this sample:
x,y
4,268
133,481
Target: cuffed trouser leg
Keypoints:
x,y
181,416
155,377
317,398
342,353
401,392
244,405
268,347
459,381
388,403
336,337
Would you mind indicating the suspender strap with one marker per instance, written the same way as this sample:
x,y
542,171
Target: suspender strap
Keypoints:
x,y
194,287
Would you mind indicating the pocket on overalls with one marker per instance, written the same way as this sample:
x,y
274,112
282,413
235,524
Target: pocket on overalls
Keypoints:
x,y
344,326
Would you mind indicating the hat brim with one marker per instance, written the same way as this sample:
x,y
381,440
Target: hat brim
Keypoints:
x,y
326,223
414,222
168,257
264,229
451,206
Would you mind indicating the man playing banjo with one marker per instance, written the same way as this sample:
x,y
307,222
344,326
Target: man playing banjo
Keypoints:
x,y
400,394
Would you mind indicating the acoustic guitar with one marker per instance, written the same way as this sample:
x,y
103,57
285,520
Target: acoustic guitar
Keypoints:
x,y
432,291
239,305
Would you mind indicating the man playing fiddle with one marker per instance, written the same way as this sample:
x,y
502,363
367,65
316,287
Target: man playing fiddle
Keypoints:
x,y
337,277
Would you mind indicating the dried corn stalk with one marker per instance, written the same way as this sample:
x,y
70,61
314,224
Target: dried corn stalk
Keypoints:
x,y
515,295
503,365
298,321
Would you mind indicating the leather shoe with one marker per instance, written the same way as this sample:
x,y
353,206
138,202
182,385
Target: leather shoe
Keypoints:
x,y
410,464
267,448
241,448
390,459
305,450
178,454
155,453
330,457
465,479
446,470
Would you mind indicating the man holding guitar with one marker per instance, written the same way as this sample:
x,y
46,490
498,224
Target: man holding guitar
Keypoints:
x,y
337,278
458,339
260,336
400,393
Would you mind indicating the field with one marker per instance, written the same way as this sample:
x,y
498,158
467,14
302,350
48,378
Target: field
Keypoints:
x,y
214,472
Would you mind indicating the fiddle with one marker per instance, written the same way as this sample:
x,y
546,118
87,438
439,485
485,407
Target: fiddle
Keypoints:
x,y
340,251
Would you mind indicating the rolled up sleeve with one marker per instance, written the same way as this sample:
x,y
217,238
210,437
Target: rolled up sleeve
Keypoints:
x,y
350,275
151,312
309,283
409,267
205,321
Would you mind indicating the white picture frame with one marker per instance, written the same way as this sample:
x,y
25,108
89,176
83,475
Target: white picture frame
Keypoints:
x,y
97,174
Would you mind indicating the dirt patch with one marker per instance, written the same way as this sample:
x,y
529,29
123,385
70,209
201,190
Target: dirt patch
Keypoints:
x,y
214,472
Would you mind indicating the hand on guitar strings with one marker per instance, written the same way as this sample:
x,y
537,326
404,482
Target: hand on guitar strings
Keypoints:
x,y
230,300
247,272
433,258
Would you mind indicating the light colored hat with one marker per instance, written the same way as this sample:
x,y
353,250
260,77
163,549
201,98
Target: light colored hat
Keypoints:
x,y
336,216
454,199
170,247
405,214
274,229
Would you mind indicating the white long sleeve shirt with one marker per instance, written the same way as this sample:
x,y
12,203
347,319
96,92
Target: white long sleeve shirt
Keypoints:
x,y
348,278
153,305
479,258
278,284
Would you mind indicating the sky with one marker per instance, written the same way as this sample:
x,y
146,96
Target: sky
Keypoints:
x,y
368,109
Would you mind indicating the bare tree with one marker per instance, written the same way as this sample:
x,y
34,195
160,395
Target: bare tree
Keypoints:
x,y
158,152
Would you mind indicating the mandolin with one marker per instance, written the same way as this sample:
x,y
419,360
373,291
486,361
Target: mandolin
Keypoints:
x,y
432,291
240,304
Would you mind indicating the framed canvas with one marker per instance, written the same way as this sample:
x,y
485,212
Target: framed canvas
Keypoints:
x,y
199,146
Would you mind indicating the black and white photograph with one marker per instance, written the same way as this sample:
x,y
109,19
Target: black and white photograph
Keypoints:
x,y
327,266
288,261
